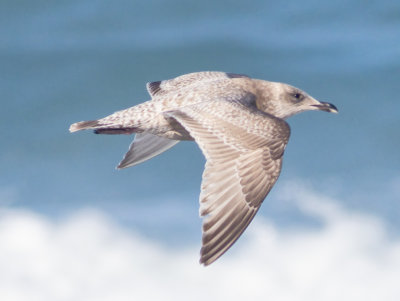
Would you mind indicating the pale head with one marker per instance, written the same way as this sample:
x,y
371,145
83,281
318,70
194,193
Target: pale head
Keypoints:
x,y
282,100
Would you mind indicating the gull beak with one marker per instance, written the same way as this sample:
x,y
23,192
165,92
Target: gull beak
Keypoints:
x,y
326,107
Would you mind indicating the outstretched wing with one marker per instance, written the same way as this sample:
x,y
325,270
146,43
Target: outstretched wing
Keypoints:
x,y
243,147
144,147
159,88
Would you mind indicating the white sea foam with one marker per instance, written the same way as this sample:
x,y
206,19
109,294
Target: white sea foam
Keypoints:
x,y
87,256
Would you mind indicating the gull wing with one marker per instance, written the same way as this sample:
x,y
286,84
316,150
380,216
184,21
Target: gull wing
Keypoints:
x,y
144,147
243,147
159,88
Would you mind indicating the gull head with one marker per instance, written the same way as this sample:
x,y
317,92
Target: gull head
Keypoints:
x,y
283,100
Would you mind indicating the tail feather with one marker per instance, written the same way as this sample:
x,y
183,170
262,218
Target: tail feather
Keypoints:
x,y
101,128
84,125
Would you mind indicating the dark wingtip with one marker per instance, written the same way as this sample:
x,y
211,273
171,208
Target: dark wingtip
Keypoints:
x,y
235,75
154,87
115,131
204,262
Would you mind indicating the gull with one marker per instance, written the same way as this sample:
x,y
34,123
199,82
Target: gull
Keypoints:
x,y
239,124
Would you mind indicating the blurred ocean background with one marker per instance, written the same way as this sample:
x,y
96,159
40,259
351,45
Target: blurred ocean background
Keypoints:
x,y
63,204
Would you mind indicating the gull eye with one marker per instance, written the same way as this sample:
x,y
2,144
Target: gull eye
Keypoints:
x,y
298,96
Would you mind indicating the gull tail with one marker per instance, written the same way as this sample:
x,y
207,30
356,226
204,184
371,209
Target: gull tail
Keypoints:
x,y
84,125
100,128
144,147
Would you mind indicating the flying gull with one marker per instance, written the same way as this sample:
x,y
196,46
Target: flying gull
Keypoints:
x,y
239,124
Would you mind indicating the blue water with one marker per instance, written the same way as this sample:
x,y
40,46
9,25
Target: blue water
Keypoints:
x,y
67,61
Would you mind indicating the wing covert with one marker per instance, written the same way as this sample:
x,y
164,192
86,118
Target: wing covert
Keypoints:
x,y
159,88
244,149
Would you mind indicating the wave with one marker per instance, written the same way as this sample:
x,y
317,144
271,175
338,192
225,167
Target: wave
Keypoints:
x,y
88,255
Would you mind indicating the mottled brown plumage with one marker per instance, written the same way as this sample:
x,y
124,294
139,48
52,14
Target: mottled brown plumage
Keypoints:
x,y
238,122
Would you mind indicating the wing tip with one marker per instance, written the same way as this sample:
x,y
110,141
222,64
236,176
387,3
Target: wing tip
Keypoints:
x,y
204,261
154,87
207,258
123,164
119,166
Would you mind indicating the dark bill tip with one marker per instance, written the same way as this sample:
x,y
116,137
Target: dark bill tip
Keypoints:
x,y
327,107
